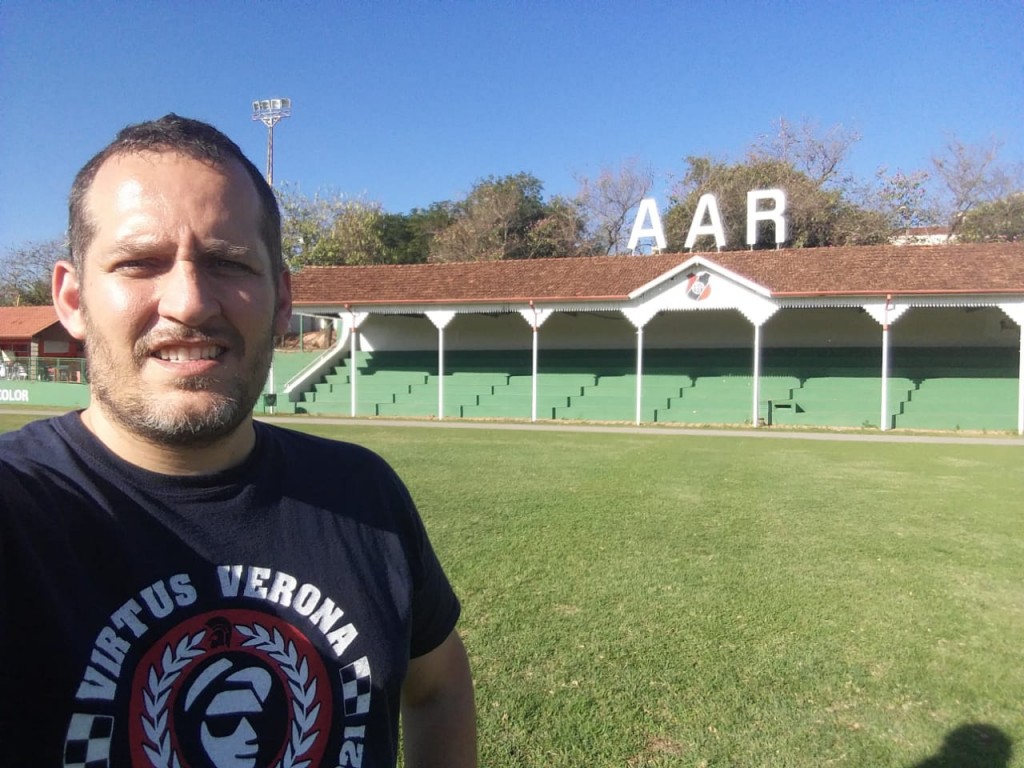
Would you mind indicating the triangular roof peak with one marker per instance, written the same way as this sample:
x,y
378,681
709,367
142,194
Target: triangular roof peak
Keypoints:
x,y
698,262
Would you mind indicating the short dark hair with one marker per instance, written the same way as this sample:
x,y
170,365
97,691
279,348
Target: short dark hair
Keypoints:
x,y
171,133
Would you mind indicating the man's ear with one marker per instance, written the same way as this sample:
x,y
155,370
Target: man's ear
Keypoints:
x,y
67,299
283,310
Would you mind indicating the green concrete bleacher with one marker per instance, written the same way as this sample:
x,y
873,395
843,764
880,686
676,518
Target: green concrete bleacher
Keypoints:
x,y
713,399
380,379
975,403
813,387
841,401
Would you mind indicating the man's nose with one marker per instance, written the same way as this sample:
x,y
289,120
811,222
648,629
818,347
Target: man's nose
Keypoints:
x,y
187,294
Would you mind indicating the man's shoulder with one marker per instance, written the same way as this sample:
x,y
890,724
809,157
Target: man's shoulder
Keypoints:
x,y
33,459
35,440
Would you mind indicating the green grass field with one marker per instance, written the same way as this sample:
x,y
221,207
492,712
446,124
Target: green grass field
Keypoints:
x,y
634,600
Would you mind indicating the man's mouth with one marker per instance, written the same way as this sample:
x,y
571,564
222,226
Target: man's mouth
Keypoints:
x,y
188,354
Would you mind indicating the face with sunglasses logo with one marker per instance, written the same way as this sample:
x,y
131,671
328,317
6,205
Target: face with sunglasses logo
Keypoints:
x,y
231,714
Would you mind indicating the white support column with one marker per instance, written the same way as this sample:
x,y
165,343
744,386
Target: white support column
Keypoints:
x,y
883,419
639,373
533,377
350,324
535,317
639,317
885,314
758,313
1020,386
353,376
440,374
1015,311
440,318
270,384
757,376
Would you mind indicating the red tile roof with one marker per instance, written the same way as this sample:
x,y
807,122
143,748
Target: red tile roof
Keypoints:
x,y
871,270
22,323
876,270
480,281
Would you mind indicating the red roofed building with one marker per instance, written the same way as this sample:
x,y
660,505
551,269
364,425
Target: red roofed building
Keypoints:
x,y
35,332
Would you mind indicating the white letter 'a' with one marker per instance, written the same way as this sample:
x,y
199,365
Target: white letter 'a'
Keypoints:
x,y
774,215
707,205
648,208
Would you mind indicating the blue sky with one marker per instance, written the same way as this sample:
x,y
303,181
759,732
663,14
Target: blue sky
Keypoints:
x,y
411,103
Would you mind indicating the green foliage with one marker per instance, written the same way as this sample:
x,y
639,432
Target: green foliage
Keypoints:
x,y
407,237
817,214
25,272
493,222
558,233
998,221
329,229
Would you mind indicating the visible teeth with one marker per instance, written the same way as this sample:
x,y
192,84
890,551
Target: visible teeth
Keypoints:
x,y
185,354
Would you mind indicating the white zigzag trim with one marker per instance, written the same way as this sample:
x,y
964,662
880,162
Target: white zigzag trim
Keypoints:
x,y
303,690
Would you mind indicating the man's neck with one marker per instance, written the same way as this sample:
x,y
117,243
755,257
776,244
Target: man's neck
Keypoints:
x,y
229,451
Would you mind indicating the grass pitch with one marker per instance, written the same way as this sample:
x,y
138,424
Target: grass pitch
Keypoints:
x,y
634,600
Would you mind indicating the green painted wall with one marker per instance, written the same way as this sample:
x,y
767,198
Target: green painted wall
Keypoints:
x,y
39,393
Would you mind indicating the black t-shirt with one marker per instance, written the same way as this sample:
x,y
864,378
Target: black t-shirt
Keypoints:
x,y
260,616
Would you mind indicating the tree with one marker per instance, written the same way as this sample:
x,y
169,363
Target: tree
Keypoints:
x,y
558,233
903,198
1000,221
329,229
493,222
407,238
25,272
817,215
608,204
971,176
823,208
818,155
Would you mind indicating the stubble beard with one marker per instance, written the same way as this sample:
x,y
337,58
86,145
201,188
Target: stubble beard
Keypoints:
x,y
176,425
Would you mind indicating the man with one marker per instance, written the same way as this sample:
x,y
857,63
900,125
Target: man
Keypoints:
x,y
180,585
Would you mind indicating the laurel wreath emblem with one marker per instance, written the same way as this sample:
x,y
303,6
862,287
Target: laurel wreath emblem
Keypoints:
x,y
174,660
158,688
303,689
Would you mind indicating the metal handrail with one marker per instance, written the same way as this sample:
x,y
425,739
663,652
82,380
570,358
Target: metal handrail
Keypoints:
x,y
70,370
323,357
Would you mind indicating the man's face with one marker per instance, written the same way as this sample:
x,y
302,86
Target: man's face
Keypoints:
x,y
178,300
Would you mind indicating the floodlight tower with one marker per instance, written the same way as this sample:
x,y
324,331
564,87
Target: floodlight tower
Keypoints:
x,y
270,112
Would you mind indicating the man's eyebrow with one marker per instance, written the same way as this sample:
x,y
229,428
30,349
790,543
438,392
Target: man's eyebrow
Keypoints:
x,y
136,247
223,248
212,248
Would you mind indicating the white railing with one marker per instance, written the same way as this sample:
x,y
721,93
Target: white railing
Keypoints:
x,y
295,386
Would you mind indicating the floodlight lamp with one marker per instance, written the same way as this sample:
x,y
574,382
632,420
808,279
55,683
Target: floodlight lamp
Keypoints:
x,y
270,111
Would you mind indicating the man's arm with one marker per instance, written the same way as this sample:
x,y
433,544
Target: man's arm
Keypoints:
x,y
438,714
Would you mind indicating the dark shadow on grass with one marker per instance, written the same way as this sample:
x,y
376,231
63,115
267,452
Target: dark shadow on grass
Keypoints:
x,y
972,745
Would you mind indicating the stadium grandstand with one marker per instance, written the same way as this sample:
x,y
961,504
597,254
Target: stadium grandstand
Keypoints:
x,y
890,337
881,336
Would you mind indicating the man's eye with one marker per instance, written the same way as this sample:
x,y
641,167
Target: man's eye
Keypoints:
x,y
230,265
134,265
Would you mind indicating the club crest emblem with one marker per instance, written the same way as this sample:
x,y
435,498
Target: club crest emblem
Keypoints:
x,y
230,688
698,286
